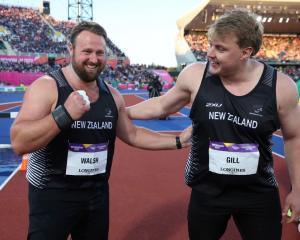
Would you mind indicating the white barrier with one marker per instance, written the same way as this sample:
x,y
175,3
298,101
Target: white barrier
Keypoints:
x,y
8,114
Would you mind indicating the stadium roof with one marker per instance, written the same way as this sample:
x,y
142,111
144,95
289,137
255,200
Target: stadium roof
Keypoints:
x,y
277,16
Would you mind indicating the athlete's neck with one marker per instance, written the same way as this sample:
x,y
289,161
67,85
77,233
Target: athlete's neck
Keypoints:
x,y
243,73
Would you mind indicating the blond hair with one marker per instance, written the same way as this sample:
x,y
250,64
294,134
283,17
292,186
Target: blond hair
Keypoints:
x,y
243,24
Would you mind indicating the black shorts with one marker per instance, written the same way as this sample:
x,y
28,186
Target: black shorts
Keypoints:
x,y
54,214
256,215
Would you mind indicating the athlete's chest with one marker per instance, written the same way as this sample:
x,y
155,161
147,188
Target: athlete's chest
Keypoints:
x,y
102,116
219,108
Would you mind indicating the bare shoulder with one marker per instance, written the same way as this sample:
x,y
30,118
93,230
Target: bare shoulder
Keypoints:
x,y
191,74
190,78
197,66
39,99
192,69
286,92
44,84
287,105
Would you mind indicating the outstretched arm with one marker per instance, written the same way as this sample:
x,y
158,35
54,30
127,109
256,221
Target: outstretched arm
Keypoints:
x,y
144,138
289,115
181,94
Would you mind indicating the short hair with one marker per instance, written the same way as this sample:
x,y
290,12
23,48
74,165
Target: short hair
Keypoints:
x,y
243,24
87,26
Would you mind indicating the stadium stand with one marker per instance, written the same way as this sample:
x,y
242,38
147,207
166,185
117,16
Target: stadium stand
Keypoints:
x,y
281,42
29,39
23,56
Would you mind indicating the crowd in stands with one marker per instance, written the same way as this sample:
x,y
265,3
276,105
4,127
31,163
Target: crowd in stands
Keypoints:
x,y
122,73
61,26
198,43
281,48
24,67
126,74
27,31
292,71
66,26
275,48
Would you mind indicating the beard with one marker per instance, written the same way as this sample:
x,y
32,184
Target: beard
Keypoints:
x,y
83,74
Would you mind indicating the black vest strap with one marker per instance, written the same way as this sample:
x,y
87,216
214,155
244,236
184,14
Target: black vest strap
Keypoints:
x,y
268,75
60,78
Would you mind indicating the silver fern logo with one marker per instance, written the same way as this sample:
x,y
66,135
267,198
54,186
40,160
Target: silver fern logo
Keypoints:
x,y
108,113
257,110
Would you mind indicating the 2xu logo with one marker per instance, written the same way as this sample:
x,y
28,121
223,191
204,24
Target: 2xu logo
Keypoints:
x,y
213,105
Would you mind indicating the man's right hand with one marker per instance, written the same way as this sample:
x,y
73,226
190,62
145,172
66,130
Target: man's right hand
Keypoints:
x,y
76,105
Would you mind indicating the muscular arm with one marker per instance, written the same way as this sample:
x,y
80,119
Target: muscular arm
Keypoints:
x,y
181,94
34,126
140,137
289,115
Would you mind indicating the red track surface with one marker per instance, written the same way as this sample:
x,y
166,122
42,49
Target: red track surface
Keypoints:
x,y
148,198
6,106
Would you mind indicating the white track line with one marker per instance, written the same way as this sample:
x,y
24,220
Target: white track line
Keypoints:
x,y
10,177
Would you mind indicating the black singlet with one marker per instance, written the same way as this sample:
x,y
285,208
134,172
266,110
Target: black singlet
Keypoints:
x,y
47,166
224,122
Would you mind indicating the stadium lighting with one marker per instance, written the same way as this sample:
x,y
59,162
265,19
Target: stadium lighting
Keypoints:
x,y
259,18
80,10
